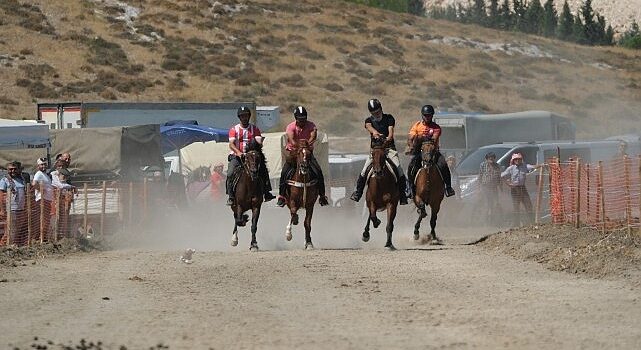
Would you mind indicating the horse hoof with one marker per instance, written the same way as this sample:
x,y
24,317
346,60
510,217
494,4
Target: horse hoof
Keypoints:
x,y
295,220
234,242
436,241
390,247
309,246
288,236
416,236
253,248
376,222
365,237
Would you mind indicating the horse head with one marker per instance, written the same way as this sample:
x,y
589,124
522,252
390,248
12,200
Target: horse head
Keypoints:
x,y
303,157
379,153
428,150
253,160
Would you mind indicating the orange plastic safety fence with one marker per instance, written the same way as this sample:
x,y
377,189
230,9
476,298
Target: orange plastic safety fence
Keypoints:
x,y
604,195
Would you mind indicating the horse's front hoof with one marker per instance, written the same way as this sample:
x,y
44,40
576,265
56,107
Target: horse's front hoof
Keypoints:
x,y
436,241
295,219
234,240
253,248
390,247
288,235
365,236
376,222
416,236
309,246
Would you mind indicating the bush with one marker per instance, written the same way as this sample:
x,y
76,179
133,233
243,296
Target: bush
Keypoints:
x,y
37,71
4,100
333,87
106,53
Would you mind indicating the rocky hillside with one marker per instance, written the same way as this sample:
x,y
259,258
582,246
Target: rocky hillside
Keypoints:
x,y
619,13
330,56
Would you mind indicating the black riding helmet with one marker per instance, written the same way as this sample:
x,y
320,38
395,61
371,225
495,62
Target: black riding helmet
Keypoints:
x,y
427,109
300,113
373,105
243,110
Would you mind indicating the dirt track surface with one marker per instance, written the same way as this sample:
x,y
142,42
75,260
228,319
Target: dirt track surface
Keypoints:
x,y
453,296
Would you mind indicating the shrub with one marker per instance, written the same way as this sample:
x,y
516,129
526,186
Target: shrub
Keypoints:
x,y
333,87
106,53
37,71
295,80
39,90
4,100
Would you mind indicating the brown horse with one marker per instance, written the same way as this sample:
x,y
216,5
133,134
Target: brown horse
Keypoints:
x,y
382,193
249,195
430,188
303,193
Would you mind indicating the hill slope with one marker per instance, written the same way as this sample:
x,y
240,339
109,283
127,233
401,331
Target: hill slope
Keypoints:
x,y
330,56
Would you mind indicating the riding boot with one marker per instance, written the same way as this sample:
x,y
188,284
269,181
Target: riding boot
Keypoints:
x,y
447,178
360,186
402,186
267,186
322,198
229,186
282,184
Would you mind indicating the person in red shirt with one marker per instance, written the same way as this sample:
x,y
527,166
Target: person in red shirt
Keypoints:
x,y
241,136
216,180
426,128
301,129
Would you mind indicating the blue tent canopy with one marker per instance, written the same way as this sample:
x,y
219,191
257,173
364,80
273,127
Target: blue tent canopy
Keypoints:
x,y
178,134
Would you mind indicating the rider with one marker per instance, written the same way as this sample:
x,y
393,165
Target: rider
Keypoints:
x,y
426,128
240,136
301,129
380,126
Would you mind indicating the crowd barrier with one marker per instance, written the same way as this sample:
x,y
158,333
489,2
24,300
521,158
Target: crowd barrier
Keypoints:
x,y
88,210
604,195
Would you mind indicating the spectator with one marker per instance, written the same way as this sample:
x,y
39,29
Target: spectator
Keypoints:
x,y
176,189
66,197
58,166
66,158
490,180
217,180
26,177
516,174
13,185
44,196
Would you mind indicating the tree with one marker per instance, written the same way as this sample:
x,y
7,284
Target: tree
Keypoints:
x,y
505,16
479,16
566,23
590,26
416,7
534,18
493,17
550,19
519,19
578,31
632,37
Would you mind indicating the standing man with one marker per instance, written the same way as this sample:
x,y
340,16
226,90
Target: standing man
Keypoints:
x,y
301,129
381,126
13,185
216,181
490,180
44,192
241,136
516,174
426,128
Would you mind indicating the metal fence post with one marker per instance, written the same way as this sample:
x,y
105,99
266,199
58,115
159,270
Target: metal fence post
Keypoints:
x,y
538,197
602,194
42,211
577,206
9,224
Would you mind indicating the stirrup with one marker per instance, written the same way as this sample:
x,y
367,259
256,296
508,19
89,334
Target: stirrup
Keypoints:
x,y
268,196
449,192
322,200
230,201
281,201
356,196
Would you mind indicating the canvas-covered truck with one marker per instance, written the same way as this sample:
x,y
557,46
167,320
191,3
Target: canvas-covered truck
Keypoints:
x,y
463,133
65,115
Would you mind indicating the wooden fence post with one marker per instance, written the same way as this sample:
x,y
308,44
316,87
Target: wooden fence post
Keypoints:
x,y
577,203
102,208
43,217
628,204
538,197
59,207
85,215
29,214
601,184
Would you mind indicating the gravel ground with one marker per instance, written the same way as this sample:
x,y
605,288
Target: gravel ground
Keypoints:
x,y
419,297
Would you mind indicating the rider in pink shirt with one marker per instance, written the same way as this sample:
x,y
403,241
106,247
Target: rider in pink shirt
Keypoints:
x,y
301,129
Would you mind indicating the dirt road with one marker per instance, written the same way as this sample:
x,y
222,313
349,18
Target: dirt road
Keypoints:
x,y
453,296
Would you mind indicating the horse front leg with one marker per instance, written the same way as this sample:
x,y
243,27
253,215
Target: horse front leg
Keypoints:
x,y
421,214
391,215
255,215
309,212
433,217
293,220
372,215
366,230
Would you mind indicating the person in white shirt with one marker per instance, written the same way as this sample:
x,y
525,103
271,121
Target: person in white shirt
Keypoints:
x,y
44,196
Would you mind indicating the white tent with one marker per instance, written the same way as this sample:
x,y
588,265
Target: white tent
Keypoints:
x,y
210,153
20,134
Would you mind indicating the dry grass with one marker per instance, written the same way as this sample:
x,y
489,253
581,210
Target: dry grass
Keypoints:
x,y
330,56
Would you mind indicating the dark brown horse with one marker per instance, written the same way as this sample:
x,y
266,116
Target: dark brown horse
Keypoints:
x,y
249,196
430,188
382,193
303,193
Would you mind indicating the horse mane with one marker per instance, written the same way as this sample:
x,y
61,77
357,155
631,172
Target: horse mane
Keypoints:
x,y
253,145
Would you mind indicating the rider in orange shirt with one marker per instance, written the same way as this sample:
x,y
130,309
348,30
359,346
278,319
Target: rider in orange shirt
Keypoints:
x,y
427,128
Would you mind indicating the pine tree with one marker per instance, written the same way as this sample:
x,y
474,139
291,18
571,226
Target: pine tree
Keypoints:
x,y
479,16
609,35
534,18
550,19
416,7
505,16
520,8
493,18
566,23
632,37
578,31
590,27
